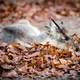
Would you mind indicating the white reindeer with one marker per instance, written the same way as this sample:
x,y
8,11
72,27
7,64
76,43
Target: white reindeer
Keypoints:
x,y
24,33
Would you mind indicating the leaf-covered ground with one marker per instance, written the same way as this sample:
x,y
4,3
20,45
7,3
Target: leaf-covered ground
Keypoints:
x,y
38,10
40,62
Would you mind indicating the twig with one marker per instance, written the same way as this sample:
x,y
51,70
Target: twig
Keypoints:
x,y
61,31
66,37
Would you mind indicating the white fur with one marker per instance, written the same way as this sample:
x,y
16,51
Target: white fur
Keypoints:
x,y
33,34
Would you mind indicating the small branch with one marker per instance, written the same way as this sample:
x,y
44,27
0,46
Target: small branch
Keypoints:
x,y
65,35
61,31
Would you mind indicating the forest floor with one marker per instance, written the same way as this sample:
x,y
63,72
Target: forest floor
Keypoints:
x,y
37,11
40,62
